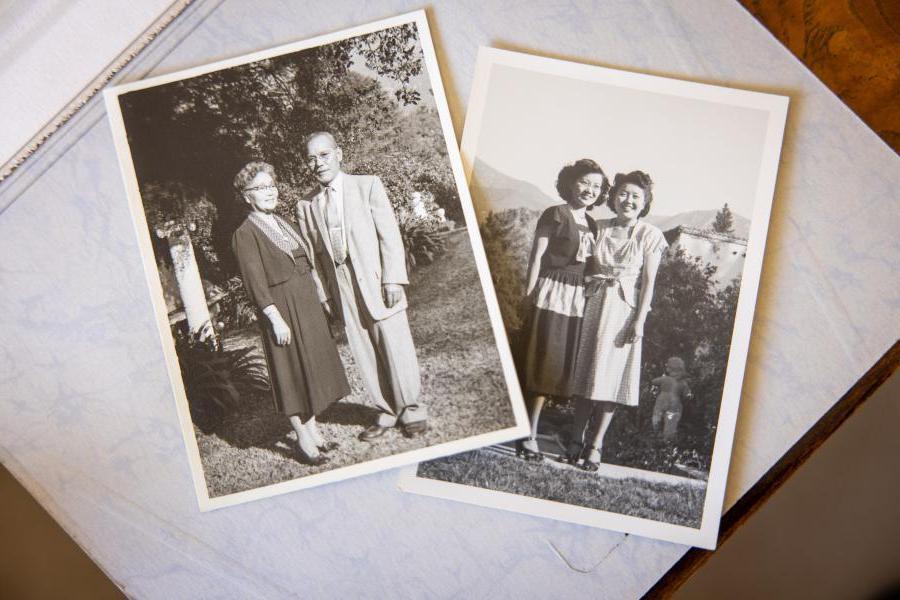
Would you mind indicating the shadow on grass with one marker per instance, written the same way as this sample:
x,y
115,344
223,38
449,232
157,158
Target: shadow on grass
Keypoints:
x,y
262,428
349,413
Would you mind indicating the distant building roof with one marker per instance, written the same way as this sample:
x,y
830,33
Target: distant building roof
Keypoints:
x,y
714,236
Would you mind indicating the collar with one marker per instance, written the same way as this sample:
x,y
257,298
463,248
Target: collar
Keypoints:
x,y
265,216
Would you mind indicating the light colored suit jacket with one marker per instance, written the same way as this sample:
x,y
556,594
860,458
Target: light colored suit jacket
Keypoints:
x,y
374,243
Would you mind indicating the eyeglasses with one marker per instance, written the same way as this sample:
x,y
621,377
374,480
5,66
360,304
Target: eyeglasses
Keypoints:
x,y
323,156
261,188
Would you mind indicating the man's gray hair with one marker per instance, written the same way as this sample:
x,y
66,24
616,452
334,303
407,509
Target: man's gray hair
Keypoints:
x,y
313,136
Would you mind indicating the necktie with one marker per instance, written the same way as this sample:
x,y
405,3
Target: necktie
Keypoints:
x,y
335,226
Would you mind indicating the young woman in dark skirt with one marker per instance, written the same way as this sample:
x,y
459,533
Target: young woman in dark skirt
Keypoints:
x,y
304,365
563,240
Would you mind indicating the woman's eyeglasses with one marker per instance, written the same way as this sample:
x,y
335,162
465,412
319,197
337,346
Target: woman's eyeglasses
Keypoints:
x,y
261,188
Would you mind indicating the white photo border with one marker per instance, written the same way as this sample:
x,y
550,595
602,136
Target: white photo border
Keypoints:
x,y
776,107
129,176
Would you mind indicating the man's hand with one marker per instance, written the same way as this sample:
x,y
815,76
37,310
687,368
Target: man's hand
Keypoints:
x,y
393,293
327,309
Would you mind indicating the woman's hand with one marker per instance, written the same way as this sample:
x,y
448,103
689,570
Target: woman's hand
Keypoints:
x,y
636,332
526,305
326,308
280,329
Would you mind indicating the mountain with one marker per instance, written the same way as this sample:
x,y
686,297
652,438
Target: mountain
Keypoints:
x,y
493,191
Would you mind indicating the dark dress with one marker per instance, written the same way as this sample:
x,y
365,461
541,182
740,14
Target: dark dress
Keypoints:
x,y
307,375
557,302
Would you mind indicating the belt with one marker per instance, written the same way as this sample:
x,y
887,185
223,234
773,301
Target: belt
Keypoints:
x,y
594,283
626,283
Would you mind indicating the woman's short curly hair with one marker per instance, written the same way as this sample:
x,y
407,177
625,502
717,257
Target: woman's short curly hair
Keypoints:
x,y
248,172
569,174
638,178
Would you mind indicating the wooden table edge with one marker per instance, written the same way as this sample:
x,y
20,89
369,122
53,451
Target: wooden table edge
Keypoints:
x,y
781,471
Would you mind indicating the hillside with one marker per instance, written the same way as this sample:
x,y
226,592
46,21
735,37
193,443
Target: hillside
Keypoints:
x,y
492,191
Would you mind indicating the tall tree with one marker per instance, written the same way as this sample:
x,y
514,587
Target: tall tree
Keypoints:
x,y
724,222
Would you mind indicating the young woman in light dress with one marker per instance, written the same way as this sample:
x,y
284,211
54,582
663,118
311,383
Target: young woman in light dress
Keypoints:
x,y
619,284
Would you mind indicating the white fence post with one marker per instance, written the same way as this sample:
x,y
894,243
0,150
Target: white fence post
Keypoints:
x,y
187,275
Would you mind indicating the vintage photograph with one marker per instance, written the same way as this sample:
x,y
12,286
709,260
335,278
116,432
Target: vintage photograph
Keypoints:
x,y
314,262
624,219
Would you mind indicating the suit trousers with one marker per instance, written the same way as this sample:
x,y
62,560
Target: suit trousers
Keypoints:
x,y
384,354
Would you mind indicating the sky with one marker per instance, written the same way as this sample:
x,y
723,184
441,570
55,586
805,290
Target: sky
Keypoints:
x,y
700,154
420,82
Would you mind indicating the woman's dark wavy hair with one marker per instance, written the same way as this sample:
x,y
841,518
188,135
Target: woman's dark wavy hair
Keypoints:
x,y
569,174
638,178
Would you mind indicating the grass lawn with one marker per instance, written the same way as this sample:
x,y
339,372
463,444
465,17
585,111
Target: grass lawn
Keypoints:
x,y
462,385
679,504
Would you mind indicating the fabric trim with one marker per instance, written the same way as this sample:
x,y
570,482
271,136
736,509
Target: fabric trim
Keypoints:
x,y
559,297
284,236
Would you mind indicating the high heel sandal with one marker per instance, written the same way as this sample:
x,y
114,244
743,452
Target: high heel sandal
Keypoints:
x,y
587,464
526,453
318,461
314,461
328,446
573,454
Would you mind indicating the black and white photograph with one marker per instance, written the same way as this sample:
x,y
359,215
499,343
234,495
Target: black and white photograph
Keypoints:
x,y
624,218
314,262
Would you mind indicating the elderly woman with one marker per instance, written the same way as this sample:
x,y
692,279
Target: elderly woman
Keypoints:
x,y
554,296
618,293
304,366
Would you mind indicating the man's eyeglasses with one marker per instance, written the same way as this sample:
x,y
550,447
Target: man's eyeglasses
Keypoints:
x,y
261,188
323,156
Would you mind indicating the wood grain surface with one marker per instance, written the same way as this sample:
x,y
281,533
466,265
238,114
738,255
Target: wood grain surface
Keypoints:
x,y
853,46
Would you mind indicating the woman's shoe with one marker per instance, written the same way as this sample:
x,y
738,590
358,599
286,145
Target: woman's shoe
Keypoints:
x,y
328,446
526,453
573,454
589,464
314,461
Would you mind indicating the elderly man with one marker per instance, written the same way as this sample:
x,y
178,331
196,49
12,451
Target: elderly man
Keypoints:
x,y
361,262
